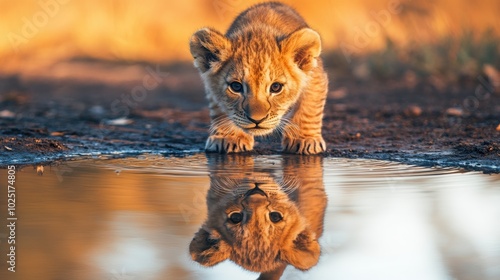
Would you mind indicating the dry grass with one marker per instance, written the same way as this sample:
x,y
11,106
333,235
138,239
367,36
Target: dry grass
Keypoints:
x,y
449,58
446,37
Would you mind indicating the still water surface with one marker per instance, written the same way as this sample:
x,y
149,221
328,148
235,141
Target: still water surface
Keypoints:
x,y
134,218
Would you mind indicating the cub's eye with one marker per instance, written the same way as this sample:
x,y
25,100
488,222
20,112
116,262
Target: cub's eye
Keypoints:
x,y
236,87
235,217
275,217
276,87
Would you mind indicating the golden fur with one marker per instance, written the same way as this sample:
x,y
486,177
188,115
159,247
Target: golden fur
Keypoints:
x,y
257,243
271,57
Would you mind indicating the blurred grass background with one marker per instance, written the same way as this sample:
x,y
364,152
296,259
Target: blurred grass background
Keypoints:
x,y
367,38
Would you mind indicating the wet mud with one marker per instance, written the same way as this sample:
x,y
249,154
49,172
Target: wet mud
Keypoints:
x,y
44,121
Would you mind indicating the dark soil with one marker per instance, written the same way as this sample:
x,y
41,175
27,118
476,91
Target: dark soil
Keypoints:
x,y
421,122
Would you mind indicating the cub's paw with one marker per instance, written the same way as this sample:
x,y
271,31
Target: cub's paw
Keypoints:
x,y
304,146
229,144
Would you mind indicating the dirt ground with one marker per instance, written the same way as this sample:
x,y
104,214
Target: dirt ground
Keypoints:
x,y
423,122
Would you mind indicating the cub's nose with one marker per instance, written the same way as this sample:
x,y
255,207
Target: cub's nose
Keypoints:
x,y
255,196
256,121
255,190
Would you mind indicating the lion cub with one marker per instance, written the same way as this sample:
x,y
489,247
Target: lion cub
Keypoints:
x,y
263,75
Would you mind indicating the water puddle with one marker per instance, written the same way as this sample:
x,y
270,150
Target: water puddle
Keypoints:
x,y
135,218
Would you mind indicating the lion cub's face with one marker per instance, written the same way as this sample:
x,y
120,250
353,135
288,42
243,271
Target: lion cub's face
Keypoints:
x,y
256,225
254,77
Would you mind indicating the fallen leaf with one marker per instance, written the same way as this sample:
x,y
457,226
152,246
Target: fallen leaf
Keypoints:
x,y
498,127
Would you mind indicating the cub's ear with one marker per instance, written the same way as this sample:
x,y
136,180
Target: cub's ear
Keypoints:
x,y
208,249
303,253
304,46
209,49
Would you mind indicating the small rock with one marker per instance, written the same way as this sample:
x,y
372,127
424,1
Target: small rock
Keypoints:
x,y
7,114
57,133
338,93
39,170
455,112
413,111
119,121
8,148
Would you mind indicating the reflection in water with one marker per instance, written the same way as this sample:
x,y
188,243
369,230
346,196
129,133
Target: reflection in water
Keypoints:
x,y
260,218
83,220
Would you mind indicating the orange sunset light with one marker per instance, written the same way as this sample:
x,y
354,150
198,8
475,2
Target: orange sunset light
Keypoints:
x,y
37,34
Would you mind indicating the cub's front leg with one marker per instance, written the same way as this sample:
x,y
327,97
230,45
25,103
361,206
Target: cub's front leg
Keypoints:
x,y
234,141
302,135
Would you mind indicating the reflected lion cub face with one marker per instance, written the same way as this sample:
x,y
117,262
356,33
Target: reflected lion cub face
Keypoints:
x,y
255,224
